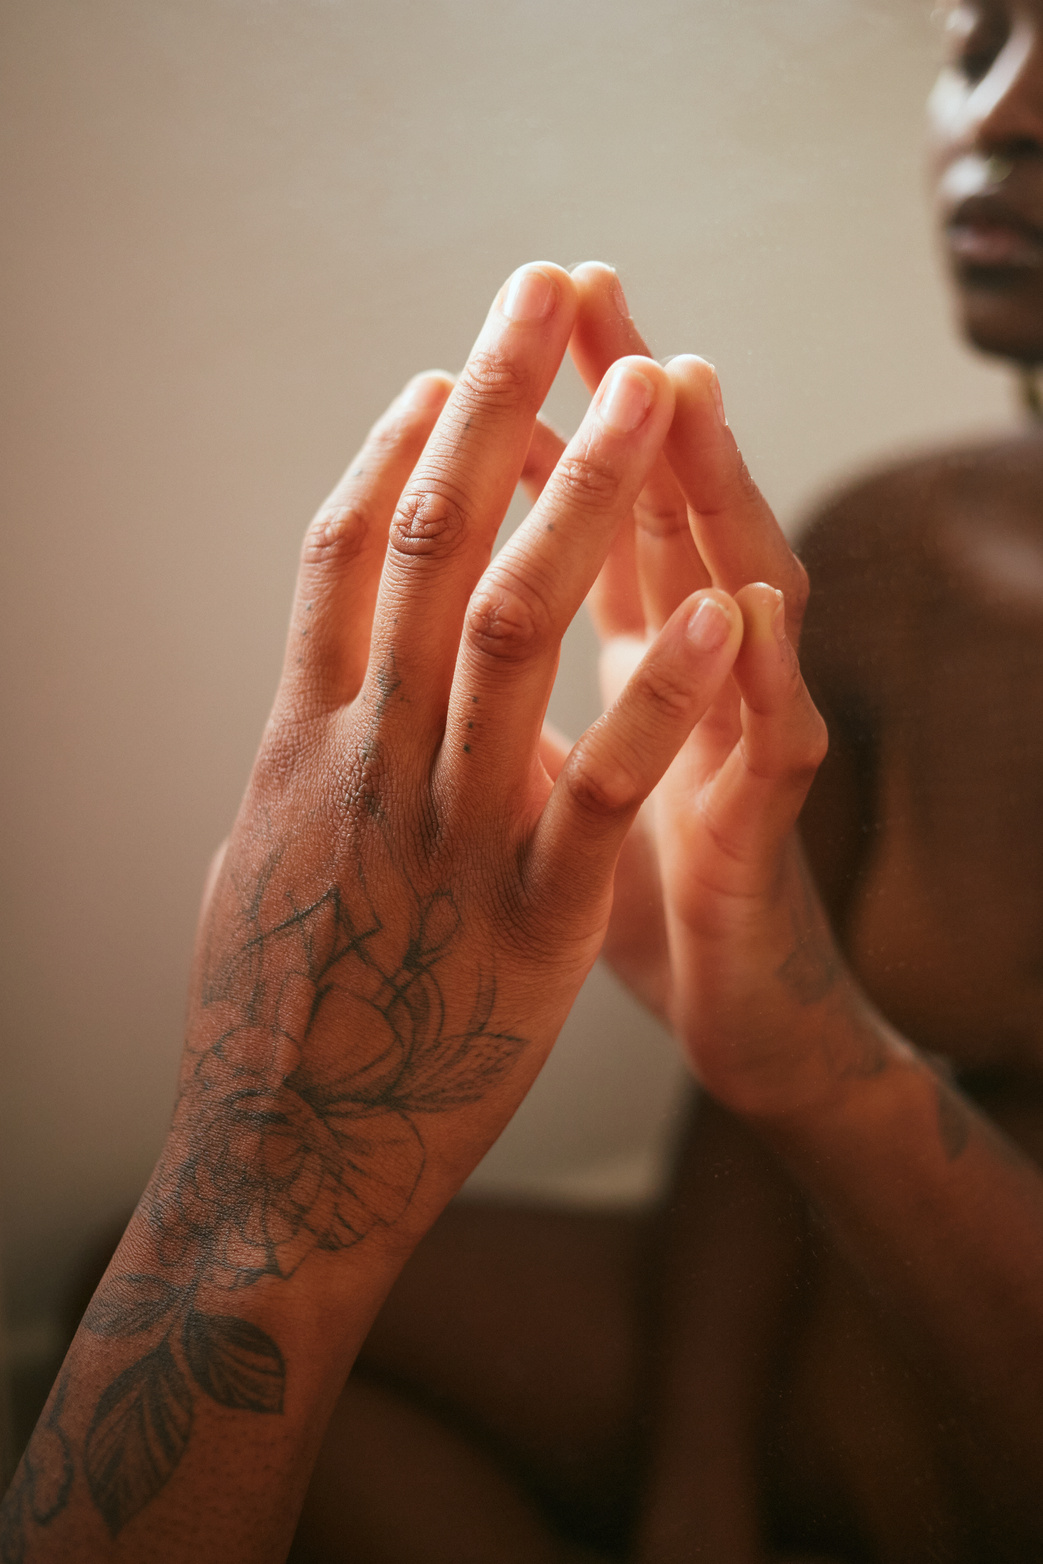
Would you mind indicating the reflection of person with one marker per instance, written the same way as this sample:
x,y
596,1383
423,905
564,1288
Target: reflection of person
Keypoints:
x,y
399,922
829,1338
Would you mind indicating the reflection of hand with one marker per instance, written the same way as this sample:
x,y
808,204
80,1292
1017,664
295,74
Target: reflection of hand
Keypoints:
x,y
408,904
715,923
403,914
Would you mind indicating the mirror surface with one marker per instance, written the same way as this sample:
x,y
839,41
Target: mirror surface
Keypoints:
x,y
235,229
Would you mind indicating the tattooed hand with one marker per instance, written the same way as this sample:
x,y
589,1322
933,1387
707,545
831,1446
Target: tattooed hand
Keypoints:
x,y
716,924
395,931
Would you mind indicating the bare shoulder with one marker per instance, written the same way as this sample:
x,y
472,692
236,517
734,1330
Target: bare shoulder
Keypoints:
x,y
892,512
884,551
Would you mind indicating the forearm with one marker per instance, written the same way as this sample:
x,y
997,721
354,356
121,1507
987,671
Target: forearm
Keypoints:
x,y
944,1219
186,1418
731,1248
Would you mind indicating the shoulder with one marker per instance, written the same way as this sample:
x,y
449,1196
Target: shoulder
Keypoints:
x,y
878,550
896,512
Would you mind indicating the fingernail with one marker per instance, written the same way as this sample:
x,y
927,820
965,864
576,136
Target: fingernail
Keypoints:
x,y
708,626
778,620
625,398
718,399
530,295
423,394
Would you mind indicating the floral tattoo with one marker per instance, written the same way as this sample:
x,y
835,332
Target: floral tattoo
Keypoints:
x,y
286,1140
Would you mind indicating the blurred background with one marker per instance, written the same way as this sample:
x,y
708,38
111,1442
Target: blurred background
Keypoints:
x,y
233,229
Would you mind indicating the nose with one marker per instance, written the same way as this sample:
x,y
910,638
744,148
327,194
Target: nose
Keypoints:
x,y
1005,109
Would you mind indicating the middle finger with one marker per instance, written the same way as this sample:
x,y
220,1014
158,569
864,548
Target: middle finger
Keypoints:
x,y
443,531
668,565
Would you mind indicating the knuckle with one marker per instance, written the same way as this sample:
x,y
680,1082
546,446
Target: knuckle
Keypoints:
x,y
660,520
582,483
427,523
336,535
491,377
801,750
507,621
720,839
390,431
664,691
290,742
599,790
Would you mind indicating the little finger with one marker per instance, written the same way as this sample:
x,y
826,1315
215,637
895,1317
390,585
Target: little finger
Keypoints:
x,y
758,793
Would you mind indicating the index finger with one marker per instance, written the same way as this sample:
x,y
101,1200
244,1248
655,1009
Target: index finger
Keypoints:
x,y
733,524
668,566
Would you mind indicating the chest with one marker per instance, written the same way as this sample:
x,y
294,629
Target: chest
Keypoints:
x,y
946,926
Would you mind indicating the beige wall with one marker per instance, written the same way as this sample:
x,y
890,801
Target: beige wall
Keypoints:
x,y
231,231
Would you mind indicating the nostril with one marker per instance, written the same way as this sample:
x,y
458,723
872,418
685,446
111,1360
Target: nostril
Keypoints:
x,y
1003,155
1021,147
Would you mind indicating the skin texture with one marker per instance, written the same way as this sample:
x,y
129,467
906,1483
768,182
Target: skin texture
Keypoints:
x,y
827,1343
389,942
986,130
802,1357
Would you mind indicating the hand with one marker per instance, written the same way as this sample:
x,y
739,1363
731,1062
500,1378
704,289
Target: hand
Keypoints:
x,y
391,939
716,923
408,904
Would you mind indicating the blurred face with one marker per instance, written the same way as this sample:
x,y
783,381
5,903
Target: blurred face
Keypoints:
x,y
986,116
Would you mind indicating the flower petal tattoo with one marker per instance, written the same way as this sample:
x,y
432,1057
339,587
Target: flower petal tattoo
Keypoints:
x,y
295,1130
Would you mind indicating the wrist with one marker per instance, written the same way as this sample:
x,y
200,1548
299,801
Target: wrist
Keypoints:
x,y
258,1332
880,1099
792,1059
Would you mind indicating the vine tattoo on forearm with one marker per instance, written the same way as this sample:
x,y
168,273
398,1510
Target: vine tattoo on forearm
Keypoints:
x,y
284,1141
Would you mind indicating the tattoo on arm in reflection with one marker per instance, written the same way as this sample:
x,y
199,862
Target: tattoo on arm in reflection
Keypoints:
x,y
858,1049
812,967
288,1139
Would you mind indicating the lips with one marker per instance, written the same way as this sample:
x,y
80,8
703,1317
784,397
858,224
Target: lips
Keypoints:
x,y
989,233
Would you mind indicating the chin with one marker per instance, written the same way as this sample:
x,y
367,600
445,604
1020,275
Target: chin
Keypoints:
x,y
1006,322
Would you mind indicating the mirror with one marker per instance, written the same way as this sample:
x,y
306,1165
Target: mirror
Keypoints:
x,y
237,228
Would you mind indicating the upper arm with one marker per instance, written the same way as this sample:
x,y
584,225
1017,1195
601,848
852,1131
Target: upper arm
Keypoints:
x,y
838,645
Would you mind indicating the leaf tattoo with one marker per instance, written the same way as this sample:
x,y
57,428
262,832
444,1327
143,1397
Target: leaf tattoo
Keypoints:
x,y
235,1362
129,1304
138,1435
288,1140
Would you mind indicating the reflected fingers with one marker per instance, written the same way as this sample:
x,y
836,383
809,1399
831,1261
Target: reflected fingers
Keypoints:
x,y
756,797
668,565
614,601
734,527
531,591
618,761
